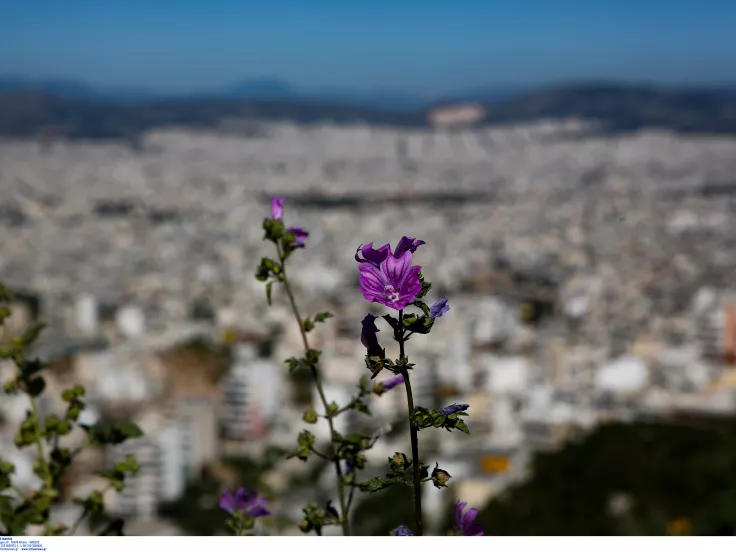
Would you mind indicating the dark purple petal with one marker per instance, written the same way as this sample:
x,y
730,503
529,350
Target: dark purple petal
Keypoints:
x,y
368,336
439,308
373,256
227,501
393,382
464,521
251,503
277,208
453,408
406,244
403,531
300,236
258,508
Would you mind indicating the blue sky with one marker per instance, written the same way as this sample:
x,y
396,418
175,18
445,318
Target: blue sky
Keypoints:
x,y
414,46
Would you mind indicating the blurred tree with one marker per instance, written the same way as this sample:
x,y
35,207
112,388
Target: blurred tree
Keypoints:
x,y
636,479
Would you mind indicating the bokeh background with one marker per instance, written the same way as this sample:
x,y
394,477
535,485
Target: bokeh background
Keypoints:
x,y
570,165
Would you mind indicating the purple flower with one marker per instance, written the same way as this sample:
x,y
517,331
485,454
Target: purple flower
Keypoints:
x,y
277,208
407,244
453,408
368,336
300,236
465,521
403,531
393,282
251,503
393,382
439,308
373,256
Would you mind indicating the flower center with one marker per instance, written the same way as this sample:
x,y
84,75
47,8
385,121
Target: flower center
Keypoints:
x,y
390,293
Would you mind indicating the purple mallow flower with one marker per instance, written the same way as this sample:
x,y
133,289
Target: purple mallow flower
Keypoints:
x,y
393,282
372,256
465,521
277,208
403,531
393,382
300,236
251,503
453,408
439,308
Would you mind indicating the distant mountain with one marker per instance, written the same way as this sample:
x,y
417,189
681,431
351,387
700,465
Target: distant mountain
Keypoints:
x,y
620,107
260,89
76,112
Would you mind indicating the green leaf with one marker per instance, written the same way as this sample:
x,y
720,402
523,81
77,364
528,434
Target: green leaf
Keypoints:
x,y
31,334
269,285
376,484
112,433
322,316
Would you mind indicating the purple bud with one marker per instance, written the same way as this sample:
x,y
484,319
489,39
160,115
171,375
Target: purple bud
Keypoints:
x,y
453,408
277,208
403,531
393,382
439,308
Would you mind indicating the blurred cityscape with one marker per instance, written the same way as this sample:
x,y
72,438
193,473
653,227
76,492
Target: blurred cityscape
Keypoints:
x,y
591,277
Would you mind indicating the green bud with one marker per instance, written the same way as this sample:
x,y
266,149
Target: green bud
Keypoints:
x,y
310,416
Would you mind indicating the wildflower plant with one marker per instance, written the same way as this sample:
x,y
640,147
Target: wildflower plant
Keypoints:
x,y
346,453
20,510
390,278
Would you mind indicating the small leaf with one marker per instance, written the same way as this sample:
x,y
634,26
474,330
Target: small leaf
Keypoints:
x,y
269,285
322,316
376,484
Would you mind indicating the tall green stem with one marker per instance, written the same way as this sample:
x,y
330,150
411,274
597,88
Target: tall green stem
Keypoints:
x,y
47,478
344,514
412,432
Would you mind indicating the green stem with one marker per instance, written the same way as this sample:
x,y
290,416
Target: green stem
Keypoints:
x,y
412,432
318,383
47,478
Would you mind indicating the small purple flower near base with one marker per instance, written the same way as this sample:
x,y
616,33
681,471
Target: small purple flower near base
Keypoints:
x,y
439,308
453,408
403,531
300,236
277,208
393,283
465,521
251,504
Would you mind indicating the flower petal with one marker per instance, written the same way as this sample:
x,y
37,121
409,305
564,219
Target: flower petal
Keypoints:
x,y
372,282
396,270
